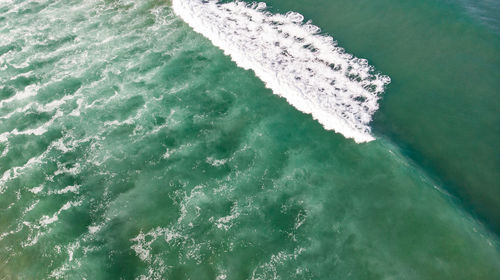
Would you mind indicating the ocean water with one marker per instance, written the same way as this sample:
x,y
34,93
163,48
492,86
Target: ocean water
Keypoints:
x,y
162,140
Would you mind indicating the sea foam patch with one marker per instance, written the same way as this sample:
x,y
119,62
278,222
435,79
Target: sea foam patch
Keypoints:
x,y
294,60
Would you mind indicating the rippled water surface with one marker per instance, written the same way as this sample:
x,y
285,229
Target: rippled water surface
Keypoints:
x,y
132,148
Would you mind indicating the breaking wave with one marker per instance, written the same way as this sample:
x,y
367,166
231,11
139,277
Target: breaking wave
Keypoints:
x,y
294,60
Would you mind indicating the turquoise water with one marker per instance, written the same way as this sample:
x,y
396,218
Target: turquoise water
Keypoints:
x,y
131,147
442,105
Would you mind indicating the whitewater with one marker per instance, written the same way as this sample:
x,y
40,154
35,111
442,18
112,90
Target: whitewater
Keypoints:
x,y
294,60
132,147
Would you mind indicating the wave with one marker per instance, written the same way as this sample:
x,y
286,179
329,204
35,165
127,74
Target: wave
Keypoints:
x,y
294,60
42,129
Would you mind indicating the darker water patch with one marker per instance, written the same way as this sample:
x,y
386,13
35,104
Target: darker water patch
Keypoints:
x,y
57,90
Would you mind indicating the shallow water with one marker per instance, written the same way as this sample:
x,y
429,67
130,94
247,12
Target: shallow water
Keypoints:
x,y
131,147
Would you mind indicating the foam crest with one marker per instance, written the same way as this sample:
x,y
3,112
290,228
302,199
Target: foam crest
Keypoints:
x,y
46,220
306,68
35,131
29,91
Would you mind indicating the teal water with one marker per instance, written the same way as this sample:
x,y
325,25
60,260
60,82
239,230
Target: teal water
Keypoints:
x,y
132,148
442,104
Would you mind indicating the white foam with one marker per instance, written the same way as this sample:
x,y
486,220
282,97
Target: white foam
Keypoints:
x,y
18,110
31,207
47,220
18,229
5,151
36,190
14,172
294,60
75,169
35,131
216,162
226,222
268,269
73,189
221,277
29,91
167,154
143,241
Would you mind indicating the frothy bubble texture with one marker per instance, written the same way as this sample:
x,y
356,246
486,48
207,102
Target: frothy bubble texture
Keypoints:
x,y
293,59
132,148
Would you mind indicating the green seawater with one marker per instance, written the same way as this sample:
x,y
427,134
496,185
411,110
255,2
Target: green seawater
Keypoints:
x,y
132,148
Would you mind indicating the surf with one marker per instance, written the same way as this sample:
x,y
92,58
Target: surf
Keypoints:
x,y
294,60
